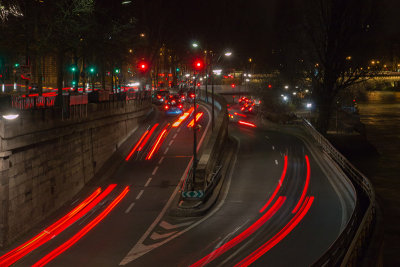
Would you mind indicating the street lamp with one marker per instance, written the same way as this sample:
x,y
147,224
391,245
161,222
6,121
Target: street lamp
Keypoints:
x,y
195,45
227,54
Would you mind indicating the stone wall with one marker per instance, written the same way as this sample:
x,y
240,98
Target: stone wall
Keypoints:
x,y
45,161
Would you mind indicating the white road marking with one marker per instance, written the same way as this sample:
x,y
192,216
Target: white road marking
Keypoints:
x,y
140,194
179,129
157,236
276,162
170,143
148,182
140,249
129,208
175,136
168,226
166,151
155,171
273,148
161,160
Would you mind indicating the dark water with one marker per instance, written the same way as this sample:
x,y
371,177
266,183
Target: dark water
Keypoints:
x,y
380,112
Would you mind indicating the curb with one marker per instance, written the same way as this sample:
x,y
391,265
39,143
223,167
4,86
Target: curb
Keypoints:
x,y
197,208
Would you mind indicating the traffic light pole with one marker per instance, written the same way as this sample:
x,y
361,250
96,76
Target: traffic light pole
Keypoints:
x,y
194,135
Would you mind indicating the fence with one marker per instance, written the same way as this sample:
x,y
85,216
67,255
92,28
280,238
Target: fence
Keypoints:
x,y
348,248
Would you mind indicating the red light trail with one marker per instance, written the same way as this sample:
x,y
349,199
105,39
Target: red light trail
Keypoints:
x,y
59,250
303,194
158,142
198,117
247,124
279,185
148,137
137,145
279,236
56,228
242,236
183,118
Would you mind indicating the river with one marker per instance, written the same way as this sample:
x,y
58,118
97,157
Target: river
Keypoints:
x,y
380,112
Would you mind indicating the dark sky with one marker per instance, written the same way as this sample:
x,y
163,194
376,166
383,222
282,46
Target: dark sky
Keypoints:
x,y
254,28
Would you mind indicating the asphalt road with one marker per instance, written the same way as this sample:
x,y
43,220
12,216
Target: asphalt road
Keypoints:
x,y
302,220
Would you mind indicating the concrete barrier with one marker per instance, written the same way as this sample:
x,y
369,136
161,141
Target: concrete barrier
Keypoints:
x,y
45,161
348,249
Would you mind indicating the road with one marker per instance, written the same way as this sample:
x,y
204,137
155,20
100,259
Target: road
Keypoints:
x,y
279,206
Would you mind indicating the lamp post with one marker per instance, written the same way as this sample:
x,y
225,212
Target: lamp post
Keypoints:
x,y
226,54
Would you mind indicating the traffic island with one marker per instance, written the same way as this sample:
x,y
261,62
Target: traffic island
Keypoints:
x,y
199,206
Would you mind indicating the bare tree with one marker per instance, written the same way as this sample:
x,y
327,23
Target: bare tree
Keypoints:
x,y
334,51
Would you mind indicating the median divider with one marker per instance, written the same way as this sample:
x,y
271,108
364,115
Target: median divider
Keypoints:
x,y
199,194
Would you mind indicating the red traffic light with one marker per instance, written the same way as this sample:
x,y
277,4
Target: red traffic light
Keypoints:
x,y
143,66
233,85
198,64
269,85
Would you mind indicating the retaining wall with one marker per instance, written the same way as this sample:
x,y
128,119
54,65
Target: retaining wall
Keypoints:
x,y
45,161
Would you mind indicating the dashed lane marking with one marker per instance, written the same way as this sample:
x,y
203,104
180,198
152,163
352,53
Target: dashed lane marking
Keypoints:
x,y
129,208
170,143
161,160
148,182
276,162
175,136
155,170
140,194
166,151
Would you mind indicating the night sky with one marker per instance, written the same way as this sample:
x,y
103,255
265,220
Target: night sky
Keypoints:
x,y
254,28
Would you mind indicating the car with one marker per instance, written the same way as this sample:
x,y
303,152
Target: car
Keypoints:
x,y
160,96
173,105
190,95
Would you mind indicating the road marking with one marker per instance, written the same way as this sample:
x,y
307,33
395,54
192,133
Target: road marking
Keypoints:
x,y
140,194
276,162
175,136
179,129
273,148
161,160
170,143
141,249
166,151
148,182
129,208
168,226
157,236
155,171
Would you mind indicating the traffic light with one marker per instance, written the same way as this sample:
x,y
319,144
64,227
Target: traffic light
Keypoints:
x,y
233,85
117,71
143,66
269,85
92,70
178,69
198,64
73,68
16,65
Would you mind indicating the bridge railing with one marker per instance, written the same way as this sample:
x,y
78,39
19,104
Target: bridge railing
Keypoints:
x,y
348,248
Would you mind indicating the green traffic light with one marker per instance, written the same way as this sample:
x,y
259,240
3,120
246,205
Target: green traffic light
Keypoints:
x,y
92,70
73,69
117,70
16,65
178,69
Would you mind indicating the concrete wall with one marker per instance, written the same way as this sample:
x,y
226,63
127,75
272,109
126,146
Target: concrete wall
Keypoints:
x,y
45,161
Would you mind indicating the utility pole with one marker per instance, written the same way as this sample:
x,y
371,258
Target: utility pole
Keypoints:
x,y
194,134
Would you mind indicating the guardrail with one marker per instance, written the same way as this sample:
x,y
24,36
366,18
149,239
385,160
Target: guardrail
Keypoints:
x,y
348,248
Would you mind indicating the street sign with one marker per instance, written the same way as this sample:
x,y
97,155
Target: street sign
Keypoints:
x,y
193,194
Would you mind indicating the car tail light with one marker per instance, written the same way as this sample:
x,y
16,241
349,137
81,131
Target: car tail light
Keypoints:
x,y
166,107
181,106
158,96
192,95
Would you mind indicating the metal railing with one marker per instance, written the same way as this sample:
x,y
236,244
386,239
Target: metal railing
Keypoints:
x,y
348,248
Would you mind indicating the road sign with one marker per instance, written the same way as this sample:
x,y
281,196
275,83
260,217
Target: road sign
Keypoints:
x,y
193,194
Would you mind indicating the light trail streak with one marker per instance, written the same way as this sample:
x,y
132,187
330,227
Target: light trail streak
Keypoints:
x,y
69,243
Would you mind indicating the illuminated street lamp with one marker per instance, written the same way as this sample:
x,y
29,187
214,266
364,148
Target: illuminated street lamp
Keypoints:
x,y
195,45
